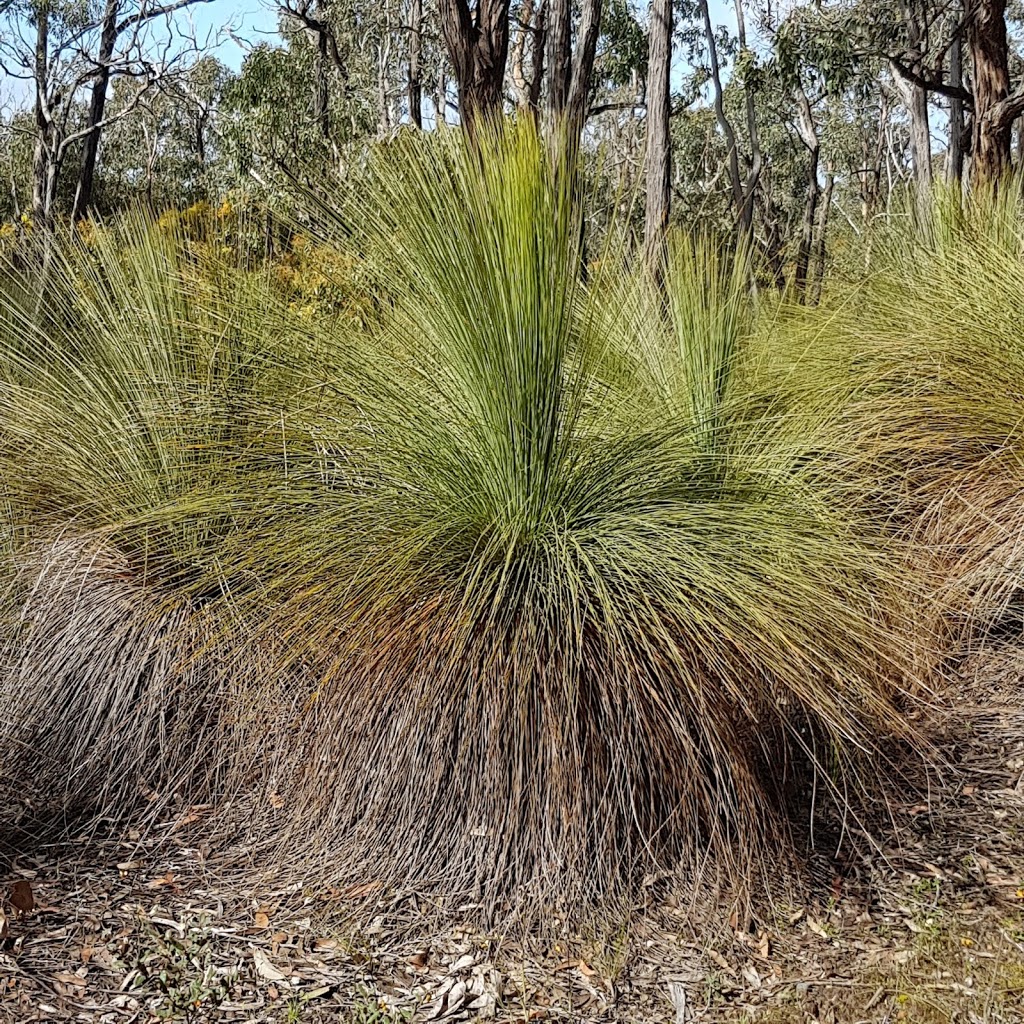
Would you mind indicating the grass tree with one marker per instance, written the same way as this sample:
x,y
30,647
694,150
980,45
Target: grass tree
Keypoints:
x,y
527,588
933,343
129,407
579,608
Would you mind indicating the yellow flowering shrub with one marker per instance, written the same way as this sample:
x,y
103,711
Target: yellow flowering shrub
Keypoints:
x,y
315,278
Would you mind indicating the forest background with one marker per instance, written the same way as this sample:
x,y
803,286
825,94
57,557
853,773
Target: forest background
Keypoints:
x,y
798,124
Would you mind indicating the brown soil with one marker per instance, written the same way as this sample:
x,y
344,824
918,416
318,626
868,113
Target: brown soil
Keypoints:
x,y
927,925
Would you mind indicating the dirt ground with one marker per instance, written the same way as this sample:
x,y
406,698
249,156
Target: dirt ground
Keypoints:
x,y
928,927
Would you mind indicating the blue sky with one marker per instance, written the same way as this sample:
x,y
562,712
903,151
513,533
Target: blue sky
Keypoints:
x,y
250,20
253,21
231,27
256,20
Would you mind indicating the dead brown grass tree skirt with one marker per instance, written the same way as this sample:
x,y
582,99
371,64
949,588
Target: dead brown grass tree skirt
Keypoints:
x,y
117,697
540,758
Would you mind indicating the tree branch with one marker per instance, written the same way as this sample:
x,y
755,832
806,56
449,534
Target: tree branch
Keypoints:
x,y
145,14
933,85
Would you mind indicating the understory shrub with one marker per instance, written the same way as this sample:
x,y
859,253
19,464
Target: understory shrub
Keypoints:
x,y
536,584
934,349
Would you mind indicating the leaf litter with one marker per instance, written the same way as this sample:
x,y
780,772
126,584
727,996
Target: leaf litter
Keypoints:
x,y
928,926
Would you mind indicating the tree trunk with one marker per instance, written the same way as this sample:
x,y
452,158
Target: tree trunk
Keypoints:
x,y
97,103
994,108
151,154
415,49
820,247
807,222
914,96
477,44
44,154
40,167
539,48
582,75
201,118
773,247
383,70
921,138
659,152
725,126
559,54
517,56
48,189
570,73
955,150
915,100
532,30
872,153
756,159
321,104
809,137
441,101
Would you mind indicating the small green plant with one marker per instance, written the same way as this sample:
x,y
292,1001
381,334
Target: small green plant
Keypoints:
x,y
368,1009
178,968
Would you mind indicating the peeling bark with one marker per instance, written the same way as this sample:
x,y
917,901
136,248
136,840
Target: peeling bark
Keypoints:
x,y
659,152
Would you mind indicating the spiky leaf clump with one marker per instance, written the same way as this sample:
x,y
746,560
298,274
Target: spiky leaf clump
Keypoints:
x,y
137,378
579,608
934,344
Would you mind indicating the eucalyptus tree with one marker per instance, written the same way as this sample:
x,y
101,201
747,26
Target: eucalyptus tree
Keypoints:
x,y
544,50
745,74
571,62
526,54
996,103
62,49
170,151
342,52
274,127
615,126
957,52
659,153
17,129
415,49
816,65
477,40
